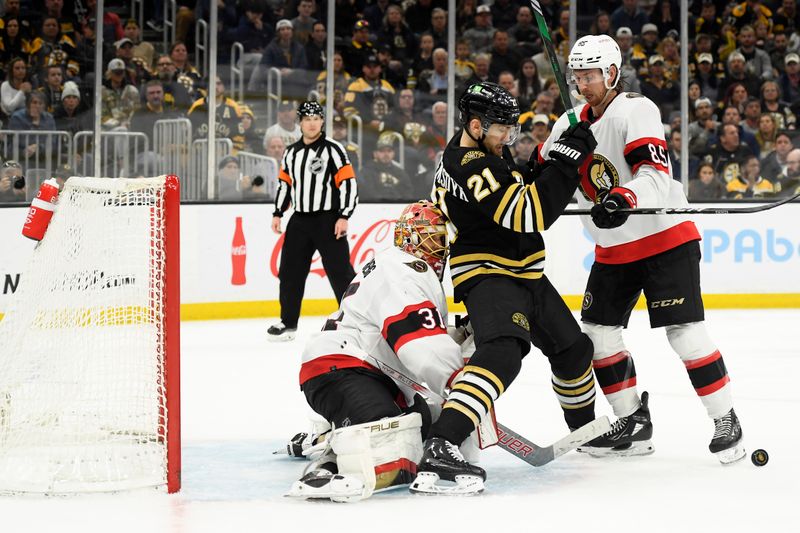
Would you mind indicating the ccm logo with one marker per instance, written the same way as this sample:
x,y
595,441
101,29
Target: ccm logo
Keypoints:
x,y
384,426
667,303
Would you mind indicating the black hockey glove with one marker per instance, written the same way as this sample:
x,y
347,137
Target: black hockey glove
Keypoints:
x,y
574,146
605,214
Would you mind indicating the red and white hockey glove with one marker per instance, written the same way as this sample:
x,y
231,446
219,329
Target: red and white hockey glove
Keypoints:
x,y
606,215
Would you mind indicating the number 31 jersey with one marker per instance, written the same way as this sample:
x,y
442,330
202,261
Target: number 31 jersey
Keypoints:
x,y
394,310
632,153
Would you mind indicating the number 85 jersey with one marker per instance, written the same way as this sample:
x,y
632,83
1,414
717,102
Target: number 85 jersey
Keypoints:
x,y
631,153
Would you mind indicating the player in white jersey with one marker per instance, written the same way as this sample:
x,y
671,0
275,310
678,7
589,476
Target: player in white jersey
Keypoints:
x,y
655,254
395,311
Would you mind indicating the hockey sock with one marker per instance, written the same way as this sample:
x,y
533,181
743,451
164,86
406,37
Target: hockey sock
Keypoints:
x,y
493,367
616,375
705,366
573,382
613,368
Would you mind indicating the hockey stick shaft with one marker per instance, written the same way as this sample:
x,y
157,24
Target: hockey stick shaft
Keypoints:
x,y
551,55
510,440
692,210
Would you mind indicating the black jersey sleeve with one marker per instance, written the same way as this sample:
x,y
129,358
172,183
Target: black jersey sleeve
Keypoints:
x,y
502,194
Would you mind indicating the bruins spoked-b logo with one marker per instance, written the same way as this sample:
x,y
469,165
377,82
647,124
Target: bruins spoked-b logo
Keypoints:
x,y
601,176
317,165
521,320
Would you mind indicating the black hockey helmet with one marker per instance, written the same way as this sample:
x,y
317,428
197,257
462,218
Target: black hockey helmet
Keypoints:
x,y
310,108
490,102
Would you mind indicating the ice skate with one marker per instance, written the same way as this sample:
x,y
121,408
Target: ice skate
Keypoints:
x,y
442,461
321,483
280,333
727,443
629,435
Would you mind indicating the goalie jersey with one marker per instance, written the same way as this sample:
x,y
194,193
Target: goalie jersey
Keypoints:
x,y
632,153
394,309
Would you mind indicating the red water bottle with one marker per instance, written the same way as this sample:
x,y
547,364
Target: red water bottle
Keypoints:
x,y
238,255
41,210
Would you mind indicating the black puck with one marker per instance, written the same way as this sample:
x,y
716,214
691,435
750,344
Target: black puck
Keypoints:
x,y
759,457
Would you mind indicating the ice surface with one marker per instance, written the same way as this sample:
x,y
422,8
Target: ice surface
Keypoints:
x,y
241,401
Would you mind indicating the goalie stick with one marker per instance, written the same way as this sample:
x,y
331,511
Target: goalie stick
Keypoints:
x,y
692,210
551,54
510,440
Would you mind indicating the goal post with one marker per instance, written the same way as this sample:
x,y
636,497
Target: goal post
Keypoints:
x,y
90,345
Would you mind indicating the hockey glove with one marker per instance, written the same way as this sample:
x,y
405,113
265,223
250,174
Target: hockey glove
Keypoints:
x,y
574,146
605,214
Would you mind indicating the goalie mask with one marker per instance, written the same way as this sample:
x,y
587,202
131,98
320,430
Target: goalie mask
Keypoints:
x,y
420,231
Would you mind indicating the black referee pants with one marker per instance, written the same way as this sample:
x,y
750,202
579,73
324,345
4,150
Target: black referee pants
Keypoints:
x,y
305,234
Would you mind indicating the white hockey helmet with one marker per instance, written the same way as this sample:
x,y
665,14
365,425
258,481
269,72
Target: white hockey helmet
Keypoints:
x,y
596,51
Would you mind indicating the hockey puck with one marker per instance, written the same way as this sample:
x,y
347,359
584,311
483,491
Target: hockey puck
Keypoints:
x,y
760,457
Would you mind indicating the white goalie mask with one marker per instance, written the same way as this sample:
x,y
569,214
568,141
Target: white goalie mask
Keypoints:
x,y
595,51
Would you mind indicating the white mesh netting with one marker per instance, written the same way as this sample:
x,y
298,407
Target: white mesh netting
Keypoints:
x,y
82,404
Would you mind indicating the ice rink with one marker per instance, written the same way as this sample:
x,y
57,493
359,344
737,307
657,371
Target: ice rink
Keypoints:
x,y
241,401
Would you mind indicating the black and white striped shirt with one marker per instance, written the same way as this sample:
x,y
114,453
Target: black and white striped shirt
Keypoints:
x,y
316,177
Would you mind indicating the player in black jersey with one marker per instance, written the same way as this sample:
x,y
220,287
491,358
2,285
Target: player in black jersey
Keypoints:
x,y
495,213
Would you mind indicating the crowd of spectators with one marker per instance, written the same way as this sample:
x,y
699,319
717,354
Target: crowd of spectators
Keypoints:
x,y
390,75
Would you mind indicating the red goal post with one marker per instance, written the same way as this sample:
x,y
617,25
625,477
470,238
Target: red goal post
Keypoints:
x,y
90,345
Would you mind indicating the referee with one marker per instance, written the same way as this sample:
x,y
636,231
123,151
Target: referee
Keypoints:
x,y
317,179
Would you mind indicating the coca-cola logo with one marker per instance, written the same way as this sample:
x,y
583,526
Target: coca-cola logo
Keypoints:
x,y
239,250
363,247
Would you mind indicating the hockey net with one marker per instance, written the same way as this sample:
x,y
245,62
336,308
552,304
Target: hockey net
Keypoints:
x,y
89,346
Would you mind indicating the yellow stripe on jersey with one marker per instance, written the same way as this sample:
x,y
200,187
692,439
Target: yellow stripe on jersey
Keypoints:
x,y
472,273
498,214
517,221
466,258
487,374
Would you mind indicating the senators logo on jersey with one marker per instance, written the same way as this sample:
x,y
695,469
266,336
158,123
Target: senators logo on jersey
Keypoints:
x,y
600,174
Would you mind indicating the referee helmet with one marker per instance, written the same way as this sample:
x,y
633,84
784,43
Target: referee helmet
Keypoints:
x,y
310,108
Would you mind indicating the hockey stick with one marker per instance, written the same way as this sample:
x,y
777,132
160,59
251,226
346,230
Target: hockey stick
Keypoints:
x,y
510,440
691,210
551,54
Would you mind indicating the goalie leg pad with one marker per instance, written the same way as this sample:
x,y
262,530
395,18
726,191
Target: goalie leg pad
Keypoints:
x,y
382,454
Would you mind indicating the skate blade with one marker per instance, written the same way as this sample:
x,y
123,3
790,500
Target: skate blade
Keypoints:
x,y
731,455
465,485
641,447
284,337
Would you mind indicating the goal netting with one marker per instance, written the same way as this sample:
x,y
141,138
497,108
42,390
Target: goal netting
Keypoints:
x,y
89,345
